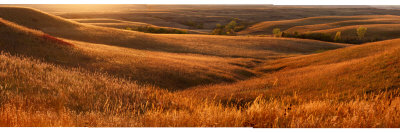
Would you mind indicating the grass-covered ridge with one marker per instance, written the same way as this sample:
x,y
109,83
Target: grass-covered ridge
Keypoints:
x,y
325,28
64,73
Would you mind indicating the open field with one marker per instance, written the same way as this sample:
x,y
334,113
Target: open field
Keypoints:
x,y
81,68
205,17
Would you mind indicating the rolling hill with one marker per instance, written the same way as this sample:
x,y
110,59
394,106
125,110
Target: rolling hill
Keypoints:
x,y
247,47
147,63
381,19
119,24
182,70
356,86
380,27
267,26
348,71
319,23
57,72
375,32
34,93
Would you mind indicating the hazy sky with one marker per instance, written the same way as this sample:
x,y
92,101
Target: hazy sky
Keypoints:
x,y
275,2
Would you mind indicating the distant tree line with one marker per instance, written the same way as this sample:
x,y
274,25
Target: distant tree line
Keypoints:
x,y
360,38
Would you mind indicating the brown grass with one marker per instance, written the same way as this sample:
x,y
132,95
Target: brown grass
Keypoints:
x,y
120,24
267,26
319,23
383,19
375,32
51,96
167,70
38,94
380,27
370,67
209,15
249,47
217,81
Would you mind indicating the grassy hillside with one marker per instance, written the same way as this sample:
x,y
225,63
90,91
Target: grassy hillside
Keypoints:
x,y
357,88
63,73
350,87
380,27
168,70
249,47
206,16
319,23
267,26
375,32
333,74
150,66
19,40
381,19
119,24
34,93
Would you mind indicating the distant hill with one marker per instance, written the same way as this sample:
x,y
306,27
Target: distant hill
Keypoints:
x,y
313,23
249,47
57,72
380,27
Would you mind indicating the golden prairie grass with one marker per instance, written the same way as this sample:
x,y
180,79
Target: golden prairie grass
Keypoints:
x,y
229,61
358,69
120,24
375,32
51,96
339,23
96,85
378,112
167,70
380,27
247,47
37,94
179,15
307,23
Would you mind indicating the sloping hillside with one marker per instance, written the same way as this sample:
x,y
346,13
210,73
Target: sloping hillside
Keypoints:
x,y
167,70
250,47
20,40
71,74
119,24
345,72
356,86
382,19
33,93
375,32
319,23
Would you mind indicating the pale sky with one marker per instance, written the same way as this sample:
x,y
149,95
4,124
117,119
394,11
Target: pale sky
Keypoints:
x,y
275,2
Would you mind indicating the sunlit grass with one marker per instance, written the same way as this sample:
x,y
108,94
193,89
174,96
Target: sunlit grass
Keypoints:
x,y
131,79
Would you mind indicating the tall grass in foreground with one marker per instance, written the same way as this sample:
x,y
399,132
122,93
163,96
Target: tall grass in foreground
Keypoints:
x,y
37,94
378,110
